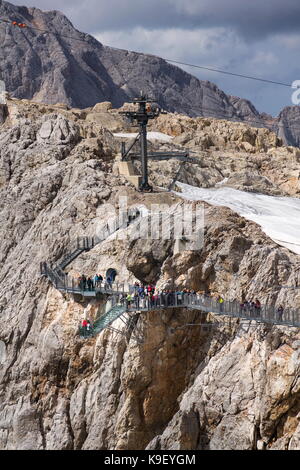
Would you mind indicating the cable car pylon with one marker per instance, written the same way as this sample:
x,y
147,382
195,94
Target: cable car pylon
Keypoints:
x,y
147,109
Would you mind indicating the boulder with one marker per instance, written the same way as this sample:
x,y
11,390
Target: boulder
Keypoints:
x,y
102,107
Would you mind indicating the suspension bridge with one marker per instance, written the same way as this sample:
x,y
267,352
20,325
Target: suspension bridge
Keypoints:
x,y
116,293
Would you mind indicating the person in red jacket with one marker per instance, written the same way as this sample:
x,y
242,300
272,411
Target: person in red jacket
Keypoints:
x,y
84,327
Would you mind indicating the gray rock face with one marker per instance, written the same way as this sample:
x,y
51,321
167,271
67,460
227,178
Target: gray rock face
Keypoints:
x,y
246,110
254,403
53,69
289,125
3,113
49,68
67,66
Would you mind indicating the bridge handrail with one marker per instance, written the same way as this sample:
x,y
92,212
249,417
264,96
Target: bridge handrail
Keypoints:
x,y
87,243
266,313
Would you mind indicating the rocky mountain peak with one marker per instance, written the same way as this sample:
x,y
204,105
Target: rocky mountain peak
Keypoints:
x,y
71,67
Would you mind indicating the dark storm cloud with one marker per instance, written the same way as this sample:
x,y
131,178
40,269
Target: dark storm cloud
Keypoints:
x,y
250,37
251,18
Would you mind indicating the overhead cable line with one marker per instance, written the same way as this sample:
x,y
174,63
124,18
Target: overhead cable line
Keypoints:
x,y
211,69
23,26
249,77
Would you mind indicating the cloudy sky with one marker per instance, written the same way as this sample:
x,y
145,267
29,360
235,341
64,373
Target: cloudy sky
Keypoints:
x,y
251,37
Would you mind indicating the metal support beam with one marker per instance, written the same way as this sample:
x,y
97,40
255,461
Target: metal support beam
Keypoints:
x,y
141,117
144,158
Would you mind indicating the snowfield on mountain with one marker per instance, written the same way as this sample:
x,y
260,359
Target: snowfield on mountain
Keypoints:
x,y
279,217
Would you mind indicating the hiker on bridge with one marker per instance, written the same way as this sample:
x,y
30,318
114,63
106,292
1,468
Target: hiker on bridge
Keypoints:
x,y
141,291
153,299
179,295
82,282
156,298
136,300
257,307
98,280
129,299
90,284
243,307
280,313
251,307
109,282
220,301
171,298
150,290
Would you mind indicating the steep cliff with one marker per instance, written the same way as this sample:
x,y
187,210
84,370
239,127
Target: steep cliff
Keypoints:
x,y
221,383
289,125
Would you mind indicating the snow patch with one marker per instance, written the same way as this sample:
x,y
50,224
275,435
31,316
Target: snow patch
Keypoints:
x,y
224,181
150,136
279,217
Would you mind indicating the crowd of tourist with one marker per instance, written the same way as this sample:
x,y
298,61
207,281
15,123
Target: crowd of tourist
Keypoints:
x,y
141,296
253,309
150,296
92,283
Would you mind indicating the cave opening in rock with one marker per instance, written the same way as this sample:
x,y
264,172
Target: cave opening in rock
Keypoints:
x,y
111,274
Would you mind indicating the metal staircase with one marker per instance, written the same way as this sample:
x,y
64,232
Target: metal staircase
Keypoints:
x,y
70,257
57,275
108,318
117,311
53,275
